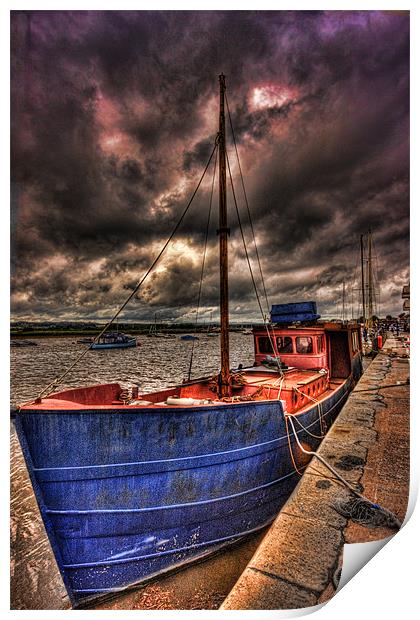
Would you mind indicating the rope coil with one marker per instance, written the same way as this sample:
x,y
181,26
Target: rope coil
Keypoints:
x,y
361,509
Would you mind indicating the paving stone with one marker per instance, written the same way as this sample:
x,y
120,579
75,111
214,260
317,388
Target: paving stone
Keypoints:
x,y
302,551
316,499
260,591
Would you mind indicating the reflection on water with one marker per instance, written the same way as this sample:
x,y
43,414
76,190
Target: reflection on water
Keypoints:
x,y
156,363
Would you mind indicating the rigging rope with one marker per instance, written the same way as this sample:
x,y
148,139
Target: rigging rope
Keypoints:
x,y
247,204
270,337
202,265
250,222
56,382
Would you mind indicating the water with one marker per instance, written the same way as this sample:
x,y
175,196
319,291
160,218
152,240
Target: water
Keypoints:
x,y
155,364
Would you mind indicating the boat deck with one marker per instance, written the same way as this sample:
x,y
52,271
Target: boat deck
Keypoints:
x,y
297,388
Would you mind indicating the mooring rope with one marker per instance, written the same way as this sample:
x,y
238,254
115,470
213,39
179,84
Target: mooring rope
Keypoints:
x,y
363,510
383,387
318,408
304,428
292,456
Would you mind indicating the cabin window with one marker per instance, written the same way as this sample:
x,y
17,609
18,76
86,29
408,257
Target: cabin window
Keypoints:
x,y
304,344
264,345
320,344
284,344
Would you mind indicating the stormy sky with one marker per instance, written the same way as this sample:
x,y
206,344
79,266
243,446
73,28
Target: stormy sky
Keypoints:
x,y
114,116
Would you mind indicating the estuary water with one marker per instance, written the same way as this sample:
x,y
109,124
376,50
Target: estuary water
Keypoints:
x,y
155,364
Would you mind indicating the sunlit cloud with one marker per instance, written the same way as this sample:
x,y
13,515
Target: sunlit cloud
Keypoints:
x,y
270,96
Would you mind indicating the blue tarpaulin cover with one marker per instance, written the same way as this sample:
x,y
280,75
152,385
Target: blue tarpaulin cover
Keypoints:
x,y
289,313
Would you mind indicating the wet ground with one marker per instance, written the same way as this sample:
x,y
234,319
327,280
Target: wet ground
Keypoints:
x,y
202,585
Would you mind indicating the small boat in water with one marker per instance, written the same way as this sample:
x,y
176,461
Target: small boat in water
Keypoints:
x,y
189,337
114,340
133,484
212,330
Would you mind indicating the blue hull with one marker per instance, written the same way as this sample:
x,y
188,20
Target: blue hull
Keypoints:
x,y
117,345
127,495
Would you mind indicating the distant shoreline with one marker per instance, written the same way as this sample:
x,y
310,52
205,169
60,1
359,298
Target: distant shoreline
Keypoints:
x,y
182,329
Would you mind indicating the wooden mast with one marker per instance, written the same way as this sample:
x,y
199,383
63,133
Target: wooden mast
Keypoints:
x,y
363,280
370,281
223,233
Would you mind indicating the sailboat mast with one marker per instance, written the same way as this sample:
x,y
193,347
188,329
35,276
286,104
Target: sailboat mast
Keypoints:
x,y
370,281
363,280
223,247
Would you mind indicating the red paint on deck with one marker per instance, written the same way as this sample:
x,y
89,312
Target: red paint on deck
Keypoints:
x,y
298,388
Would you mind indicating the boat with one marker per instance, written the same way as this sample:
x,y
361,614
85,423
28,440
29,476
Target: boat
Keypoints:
x,y
132,485
114,340
154,333
212,331
189,337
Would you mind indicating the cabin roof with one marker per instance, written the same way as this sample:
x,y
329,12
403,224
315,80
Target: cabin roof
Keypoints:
x,y
317,328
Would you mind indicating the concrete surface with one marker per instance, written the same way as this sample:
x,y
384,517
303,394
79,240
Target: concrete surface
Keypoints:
x,y
299,561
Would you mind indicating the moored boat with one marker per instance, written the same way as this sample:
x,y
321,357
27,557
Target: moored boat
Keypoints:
x,y
23,343
114,340
131,485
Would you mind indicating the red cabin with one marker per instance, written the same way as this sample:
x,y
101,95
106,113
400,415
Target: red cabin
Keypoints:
x,y
334,347
301,348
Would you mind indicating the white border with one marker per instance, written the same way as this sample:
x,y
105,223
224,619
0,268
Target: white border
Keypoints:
x,y
387,586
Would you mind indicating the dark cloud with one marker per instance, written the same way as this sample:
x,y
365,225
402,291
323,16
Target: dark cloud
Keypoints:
x,y
115,113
